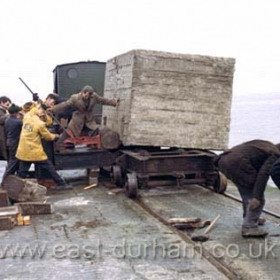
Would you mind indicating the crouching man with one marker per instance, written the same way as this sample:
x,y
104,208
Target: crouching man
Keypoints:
x,y
275,171
248,166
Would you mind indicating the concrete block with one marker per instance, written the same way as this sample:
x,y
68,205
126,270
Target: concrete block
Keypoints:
x,y
10,211
93,174
7,223
170,99
34,208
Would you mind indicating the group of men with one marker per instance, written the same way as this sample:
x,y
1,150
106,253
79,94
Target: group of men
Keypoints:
x,y
247,165
25,127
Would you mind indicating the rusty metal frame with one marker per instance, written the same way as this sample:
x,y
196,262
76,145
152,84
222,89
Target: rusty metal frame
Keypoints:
x,y
83,158
194,166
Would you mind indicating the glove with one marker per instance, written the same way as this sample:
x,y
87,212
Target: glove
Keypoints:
x,y
35,97
44,106
254,203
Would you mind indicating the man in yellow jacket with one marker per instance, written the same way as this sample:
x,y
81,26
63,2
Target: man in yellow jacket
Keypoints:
x,y
30,149
38,104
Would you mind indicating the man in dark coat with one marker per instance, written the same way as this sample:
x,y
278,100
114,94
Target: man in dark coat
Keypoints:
x,y
13,125
248,166
275,171
4,105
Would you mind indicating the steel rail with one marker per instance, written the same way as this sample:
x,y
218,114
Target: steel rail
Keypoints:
x,y
233,197
218,263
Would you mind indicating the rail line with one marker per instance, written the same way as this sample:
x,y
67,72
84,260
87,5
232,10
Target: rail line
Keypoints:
x,y
221,266
233,197
218,263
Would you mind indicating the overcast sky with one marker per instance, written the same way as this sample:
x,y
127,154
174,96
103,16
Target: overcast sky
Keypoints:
x,y
37,35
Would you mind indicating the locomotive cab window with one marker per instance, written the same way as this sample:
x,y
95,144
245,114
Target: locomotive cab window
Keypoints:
x,y
72,73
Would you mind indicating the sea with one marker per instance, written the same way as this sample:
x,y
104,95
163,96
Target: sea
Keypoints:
x,y
255,116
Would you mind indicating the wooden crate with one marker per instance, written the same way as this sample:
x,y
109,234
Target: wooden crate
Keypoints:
x,y
170,99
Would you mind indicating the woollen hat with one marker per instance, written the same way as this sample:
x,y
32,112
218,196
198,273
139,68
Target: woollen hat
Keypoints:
x,y
28,106
13,109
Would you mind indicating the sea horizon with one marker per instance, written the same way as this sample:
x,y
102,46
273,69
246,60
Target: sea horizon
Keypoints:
x,y
255,116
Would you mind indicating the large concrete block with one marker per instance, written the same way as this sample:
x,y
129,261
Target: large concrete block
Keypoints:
x,y
169,99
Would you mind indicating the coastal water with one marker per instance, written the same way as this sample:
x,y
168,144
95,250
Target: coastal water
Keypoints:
x,y
255,117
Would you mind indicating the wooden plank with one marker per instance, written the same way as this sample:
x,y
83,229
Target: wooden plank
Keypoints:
x,y
26,221
7,223
184,220
91,186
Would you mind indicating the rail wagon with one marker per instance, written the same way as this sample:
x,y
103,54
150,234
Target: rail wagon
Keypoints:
x,y
174,110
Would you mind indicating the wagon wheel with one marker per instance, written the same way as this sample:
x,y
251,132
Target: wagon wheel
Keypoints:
x,y
131,185
117,175
143,182
220,185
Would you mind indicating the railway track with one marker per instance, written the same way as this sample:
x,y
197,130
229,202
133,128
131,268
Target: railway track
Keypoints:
x,y
185,235
235,198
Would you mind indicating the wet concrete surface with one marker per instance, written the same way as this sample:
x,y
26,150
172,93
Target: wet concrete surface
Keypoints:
x,y
94,235
247,258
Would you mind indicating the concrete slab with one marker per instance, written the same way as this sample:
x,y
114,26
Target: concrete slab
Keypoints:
x,y
94,235
249,258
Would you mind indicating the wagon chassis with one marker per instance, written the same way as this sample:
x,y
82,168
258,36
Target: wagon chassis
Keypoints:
x,y
135,169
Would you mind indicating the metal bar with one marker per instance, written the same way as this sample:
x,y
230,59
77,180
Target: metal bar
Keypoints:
x,y
26,85
264,210
52,115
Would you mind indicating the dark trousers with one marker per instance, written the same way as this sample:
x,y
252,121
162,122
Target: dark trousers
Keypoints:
x,y
275,173
13,163
250,217
42,165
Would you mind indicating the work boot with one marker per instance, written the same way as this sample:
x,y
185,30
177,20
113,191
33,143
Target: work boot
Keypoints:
x,y
261,221
253,233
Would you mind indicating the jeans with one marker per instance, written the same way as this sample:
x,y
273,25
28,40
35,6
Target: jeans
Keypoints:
x,y
250,216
